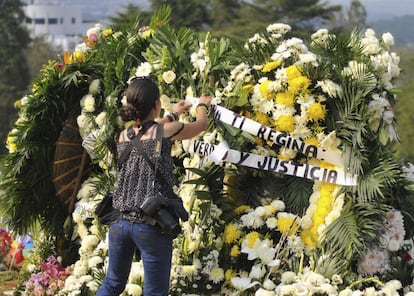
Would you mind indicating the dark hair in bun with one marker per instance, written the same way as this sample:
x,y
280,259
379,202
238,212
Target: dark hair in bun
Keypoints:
x,y
141,95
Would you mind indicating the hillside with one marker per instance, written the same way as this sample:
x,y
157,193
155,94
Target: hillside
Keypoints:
x,y
398,27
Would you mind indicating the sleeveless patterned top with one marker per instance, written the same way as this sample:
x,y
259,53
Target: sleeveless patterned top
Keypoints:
x,y
136,177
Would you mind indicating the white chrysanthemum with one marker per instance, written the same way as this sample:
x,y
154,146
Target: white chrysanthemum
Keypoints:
x,y
346,292
87,103
278,205
80,269
81,47
370,43
388,40
307,58
95,86
320,37
133,289
168,76
329,87
94,261
216,275
144,69
252,220
92,285
262,211
286,290
136,272
100,119
89,243
295,245
271,223
278,28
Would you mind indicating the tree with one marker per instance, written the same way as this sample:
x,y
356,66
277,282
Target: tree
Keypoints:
x,y
302,15
190,14
14,73
357,15
224,15
129,17
37,55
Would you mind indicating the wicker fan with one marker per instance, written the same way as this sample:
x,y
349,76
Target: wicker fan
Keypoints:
x,y
71,163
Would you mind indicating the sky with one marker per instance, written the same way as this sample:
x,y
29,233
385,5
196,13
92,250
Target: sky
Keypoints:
x,y
382,9
376,9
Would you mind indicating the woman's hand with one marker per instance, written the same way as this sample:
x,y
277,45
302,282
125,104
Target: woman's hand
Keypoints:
x,y
205,99
181,107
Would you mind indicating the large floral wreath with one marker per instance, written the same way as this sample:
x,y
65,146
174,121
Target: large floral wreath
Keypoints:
x,y
253,228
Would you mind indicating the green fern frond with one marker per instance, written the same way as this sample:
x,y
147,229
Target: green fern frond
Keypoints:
x,y
356,228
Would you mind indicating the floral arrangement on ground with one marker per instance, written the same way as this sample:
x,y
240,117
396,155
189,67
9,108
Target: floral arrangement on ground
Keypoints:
x,y
292,190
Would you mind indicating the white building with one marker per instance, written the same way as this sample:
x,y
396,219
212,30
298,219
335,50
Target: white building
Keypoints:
x,y
61,25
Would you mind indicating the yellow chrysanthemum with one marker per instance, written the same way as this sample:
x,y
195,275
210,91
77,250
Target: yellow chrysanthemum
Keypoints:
x,y
11,143
241,209
230,273
286,224
318,219
285,98
271,66
251,238
292,72
285,123
298,84
231,233
235,251
107,32
312,141
316,112
265,91
308,238
261,118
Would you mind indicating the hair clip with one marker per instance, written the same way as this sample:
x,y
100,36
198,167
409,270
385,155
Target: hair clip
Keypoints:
x,y
138,78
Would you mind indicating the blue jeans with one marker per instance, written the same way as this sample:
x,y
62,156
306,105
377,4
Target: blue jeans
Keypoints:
x,y
156,253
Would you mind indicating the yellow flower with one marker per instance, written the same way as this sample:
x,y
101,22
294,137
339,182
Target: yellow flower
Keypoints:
x,y
107,32
11,143
292,72
298,83
235,251
262,118
316,112
241,209
285,98
308,238
265,91
312,141
285,123
251,238
286,223
230,273
231,233
271,66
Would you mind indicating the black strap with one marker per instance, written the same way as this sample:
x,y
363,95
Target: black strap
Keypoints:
x,y
158,145
131,135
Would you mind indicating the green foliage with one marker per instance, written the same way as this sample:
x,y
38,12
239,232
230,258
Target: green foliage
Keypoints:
x,y
14,72
404,109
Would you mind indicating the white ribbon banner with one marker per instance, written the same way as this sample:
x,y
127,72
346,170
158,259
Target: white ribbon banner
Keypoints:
x,y
222,152
269,134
